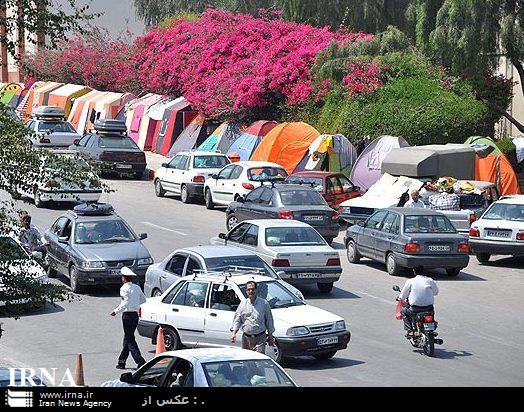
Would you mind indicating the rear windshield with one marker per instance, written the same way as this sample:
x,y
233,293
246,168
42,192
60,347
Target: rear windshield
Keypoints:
x,y
293,236
210,162
502,211
316,183
428,224
299,197
117,142
240,262
55,127
266,173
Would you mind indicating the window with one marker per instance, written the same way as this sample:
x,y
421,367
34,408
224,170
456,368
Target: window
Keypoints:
x,y
375,220
92,142
58,226
173,164
192,265
347,186
67,229
299,197
224,297
116,142
288,236
151,375
241,262
106,231
266,173
193,294
427,224
236,172
226,173
251,236
55,127
184,163
176,265
389,222
276,295
266,197
250,373
210,162
237,234
169,297
83,141
10,250
316,183
505,211
181,374
254,195
334,186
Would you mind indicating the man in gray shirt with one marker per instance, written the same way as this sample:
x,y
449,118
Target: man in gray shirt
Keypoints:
x,y
254,317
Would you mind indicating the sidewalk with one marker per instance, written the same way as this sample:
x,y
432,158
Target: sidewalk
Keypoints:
x,y
154,161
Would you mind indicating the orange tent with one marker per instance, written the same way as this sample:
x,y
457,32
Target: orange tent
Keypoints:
x,y
497,169
286,144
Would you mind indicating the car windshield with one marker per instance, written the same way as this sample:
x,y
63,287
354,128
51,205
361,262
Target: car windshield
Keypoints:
x,y
276,295
210,162
107,231
266,173
240,262
428,224
505,211
293,236
299,197
316,183
117,142
245,373
10,250
55,127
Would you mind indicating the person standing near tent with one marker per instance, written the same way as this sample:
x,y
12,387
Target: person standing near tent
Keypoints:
x,y
415,201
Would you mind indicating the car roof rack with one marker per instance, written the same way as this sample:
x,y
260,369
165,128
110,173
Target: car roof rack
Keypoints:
x,y
93,209
300,182
229,272
273,181
110,126
49,112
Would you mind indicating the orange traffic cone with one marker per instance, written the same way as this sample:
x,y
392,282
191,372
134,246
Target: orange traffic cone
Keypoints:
x,y
79,371
160,344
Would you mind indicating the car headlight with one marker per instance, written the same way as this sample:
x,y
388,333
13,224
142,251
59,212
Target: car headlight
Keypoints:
x,y
93,265
145,261
297,331
340,325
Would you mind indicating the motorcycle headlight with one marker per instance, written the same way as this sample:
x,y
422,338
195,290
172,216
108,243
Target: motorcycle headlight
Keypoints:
x,y
340,325
145,261
93,265
297,331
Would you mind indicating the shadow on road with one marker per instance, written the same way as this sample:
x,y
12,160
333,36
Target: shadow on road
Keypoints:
x,y
316,365
311,292
449,354
45,310
507,262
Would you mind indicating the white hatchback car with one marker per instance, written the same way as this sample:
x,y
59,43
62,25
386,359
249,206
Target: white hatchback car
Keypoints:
x,y
198,311
207,367
186,173
500,230
238,179
294,248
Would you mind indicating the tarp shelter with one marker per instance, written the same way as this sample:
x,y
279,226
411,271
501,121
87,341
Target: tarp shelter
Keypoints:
x,y
497,169
108,106
192,136
483,140
42,94
148,125
222,138
176,118
134,112
330,153
116,109
286,144
10,94
431,161
34,99
27,100
80,110
158,113
367,169
64,96
248,141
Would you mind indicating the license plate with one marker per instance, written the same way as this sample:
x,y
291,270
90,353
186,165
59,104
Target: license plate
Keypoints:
x,y
124,166
439,248
115,272
313,218
327,341
308,275
429,326
498,233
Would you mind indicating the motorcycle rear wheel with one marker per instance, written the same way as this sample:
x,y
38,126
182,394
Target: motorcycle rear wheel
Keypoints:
x,y
429,346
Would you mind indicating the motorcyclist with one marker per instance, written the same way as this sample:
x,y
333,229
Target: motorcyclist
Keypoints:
x,y
419,295
30,237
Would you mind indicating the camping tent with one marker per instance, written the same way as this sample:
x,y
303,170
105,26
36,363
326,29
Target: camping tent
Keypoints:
x,y
80,110
248,141
222,138
176,118
332,153
63,96
286,144
147,127
134,112
116,109
483,140
42,94
192,136
27,100
10,94
497,169
367,169
160,114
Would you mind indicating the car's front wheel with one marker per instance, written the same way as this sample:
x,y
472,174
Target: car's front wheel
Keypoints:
x,y
231,221
392,267
483,257
279,356
73,280
159,190
209,200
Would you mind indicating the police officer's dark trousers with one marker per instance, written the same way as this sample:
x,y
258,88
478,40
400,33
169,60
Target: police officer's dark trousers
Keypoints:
x,y
130,323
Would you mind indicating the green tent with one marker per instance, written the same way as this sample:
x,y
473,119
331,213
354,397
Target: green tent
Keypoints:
x,y
483,140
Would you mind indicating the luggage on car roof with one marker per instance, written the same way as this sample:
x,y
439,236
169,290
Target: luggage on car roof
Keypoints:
x,y
110,126
49,112
93,209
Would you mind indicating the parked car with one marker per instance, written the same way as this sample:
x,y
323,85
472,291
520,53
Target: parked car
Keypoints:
x,y
285,201
500,230
186,173
48,186
50,129
198,311
111,149
207,367
238,179
334,187
196,259
16,261
290,246
408,238
91,243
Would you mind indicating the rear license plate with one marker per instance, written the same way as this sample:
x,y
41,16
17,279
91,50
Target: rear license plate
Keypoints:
x,y
115,272
439,248
313,218
499,233
327,341
429,326
124,166
308,275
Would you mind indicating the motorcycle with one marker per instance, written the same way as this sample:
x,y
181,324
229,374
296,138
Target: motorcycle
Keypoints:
x,y
424,328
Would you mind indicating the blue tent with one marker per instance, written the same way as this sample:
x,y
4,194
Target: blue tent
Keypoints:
x,y
244,145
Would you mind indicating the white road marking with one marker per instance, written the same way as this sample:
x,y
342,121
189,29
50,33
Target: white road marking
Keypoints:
x,y
164,228
389,302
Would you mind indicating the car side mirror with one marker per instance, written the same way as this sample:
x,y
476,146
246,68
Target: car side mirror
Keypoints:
x,y
361,223
396,288
63,239
166,165
214,176
241,199
76,142
281,273
222,236
142,236
126,377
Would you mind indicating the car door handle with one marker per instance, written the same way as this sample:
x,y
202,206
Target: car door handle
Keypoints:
x,y
213,314
174,310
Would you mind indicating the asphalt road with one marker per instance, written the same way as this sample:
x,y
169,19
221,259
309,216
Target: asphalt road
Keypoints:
x,y
479,313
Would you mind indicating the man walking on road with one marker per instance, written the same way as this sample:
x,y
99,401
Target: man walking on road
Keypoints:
x,y
132,298
255,318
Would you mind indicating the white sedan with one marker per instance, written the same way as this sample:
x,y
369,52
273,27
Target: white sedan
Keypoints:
x,y
210,367
500,230
293,248
238,179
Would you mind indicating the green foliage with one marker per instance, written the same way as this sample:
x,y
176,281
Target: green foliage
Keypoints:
x,y
506,145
